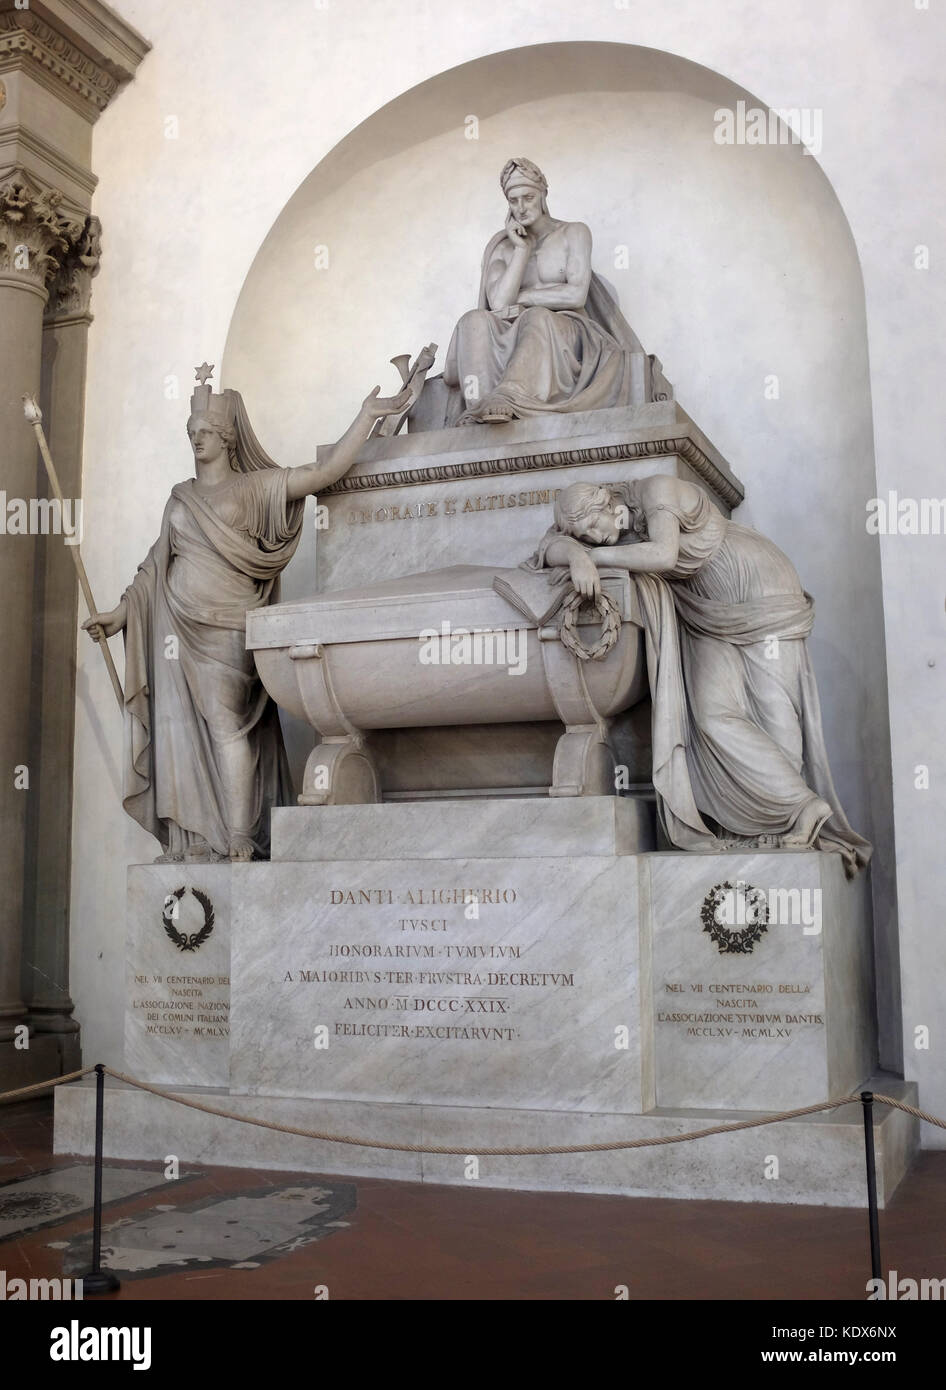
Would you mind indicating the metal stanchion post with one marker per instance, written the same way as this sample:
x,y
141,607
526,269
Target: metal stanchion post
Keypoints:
x,y
98,1280
867,1101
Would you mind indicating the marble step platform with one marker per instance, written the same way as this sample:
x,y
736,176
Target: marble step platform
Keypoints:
x,y
820,1158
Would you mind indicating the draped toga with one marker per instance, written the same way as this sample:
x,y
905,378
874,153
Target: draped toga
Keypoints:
x,y
737,732
189,679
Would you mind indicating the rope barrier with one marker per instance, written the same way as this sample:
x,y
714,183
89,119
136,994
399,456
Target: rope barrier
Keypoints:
x,y
100,1281
45,1085
608,1146
605,1147
910,1110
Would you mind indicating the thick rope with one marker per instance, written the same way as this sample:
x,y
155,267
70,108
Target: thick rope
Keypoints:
x,y
45,1085
609,1146
910,1110
472,1149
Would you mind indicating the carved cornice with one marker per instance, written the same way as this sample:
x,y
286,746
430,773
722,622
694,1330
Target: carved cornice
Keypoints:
x,y
26,40
35,232
725,487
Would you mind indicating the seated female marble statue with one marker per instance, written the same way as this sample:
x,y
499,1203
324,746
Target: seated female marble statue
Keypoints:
x,y
738,747
204,755
547,335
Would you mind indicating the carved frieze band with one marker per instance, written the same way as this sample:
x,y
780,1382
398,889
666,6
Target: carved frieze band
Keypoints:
x,y
24,35
703,466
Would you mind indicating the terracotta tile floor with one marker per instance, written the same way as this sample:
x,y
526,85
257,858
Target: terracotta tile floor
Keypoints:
x,y
406,1241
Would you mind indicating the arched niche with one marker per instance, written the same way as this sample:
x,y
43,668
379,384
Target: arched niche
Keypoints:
x,y
734,264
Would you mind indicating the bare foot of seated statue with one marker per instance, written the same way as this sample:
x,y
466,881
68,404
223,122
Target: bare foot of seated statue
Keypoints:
x,y
241,848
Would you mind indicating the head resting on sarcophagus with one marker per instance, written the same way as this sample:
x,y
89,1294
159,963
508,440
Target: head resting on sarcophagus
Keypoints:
x,y
599,514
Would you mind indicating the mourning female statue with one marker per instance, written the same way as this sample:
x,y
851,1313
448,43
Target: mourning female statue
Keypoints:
x,y
548,334
204,755
738,747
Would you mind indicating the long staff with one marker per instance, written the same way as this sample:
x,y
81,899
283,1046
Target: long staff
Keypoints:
x,y
35,416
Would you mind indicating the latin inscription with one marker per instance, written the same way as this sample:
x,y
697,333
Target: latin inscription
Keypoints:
x,y
418,973
422,510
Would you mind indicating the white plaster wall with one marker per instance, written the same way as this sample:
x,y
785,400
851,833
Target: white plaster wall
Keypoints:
x,y
262,95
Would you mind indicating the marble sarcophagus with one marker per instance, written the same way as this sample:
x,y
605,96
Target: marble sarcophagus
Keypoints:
x,y
446,653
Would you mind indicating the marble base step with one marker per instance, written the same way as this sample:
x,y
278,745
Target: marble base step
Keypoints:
x,y
499,827
820,1159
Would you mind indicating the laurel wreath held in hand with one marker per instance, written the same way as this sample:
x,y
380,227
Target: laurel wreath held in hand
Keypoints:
x,y
610,626
182,940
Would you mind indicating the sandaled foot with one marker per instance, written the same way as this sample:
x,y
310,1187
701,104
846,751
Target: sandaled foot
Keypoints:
x,y
810,820
169,859
241,849
491,411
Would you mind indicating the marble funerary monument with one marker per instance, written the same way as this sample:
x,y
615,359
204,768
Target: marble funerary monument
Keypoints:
x,y
567,863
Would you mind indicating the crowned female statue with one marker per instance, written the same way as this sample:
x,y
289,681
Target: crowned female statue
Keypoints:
x,y
204,755
548,334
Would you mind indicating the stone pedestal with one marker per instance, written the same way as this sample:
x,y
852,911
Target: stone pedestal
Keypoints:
x,y
523,972
177,964
461,982
762,979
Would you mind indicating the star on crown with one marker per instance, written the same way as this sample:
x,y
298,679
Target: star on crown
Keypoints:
x,y
204,372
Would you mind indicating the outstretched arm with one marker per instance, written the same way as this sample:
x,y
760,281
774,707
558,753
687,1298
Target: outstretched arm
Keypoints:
x,y
315,477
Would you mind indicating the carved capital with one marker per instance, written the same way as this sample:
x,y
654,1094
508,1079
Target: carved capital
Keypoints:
x,y
71,290
35,234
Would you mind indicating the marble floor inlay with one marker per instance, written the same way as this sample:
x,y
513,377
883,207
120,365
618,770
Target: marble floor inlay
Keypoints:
x,y
45,1199
238,1232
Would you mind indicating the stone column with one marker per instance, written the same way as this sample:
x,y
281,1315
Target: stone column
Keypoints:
x,y
61,63
55,594
31,234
